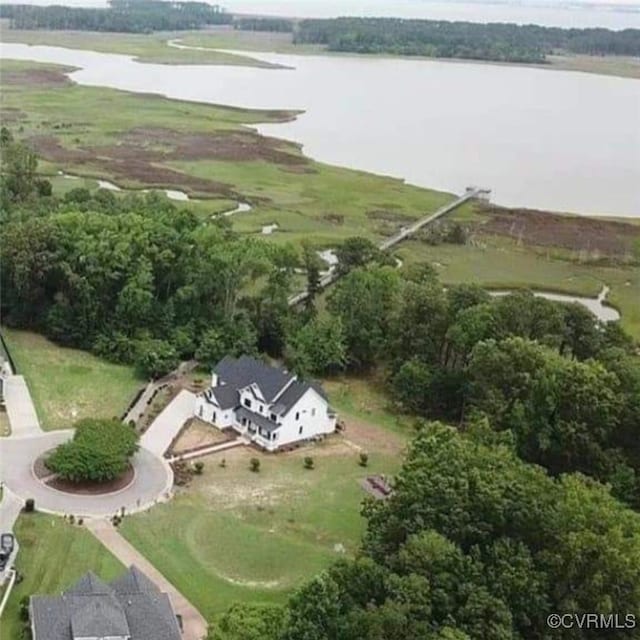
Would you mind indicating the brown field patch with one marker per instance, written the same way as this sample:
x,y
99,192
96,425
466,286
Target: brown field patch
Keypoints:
x,y
125,163
37,77
11,114
230,146
610,238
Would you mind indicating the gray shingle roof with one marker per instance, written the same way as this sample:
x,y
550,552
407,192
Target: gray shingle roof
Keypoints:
x,y
226,396
246,370
134,581
132,606
256,418
99,617
89,585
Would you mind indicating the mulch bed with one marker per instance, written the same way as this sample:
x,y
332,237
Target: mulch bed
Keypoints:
x,y
93,488
80,488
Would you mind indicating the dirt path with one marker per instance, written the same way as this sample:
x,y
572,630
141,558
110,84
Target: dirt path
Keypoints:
x,y
194,625
368,436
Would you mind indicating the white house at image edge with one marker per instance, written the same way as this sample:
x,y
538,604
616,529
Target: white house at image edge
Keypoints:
x,y
269,405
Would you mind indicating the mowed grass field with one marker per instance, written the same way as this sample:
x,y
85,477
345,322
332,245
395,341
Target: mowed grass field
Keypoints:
x,y
70,384
53,555
234,535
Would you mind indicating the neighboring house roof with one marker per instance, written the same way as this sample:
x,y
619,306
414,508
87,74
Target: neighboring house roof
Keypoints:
x,y
245,370
131,606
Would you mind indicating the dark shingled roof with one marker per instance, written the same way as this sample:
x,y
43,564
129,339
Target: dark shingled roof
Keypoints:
x,y
89,585
226,396
100,617
134,581
246,370
130,606
256,418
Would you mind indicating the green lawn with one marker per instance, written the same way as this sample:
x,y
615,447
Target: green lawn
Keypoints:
x,y
69,384
53,554
234,535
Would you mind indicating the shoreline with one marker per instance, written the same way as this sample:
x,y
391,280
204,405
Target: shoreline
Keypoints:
x,y
234,54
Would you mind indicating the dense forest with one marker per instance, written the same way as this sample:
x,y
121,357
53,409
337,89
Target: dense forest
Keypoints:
x,y
129,16
439,39
522,501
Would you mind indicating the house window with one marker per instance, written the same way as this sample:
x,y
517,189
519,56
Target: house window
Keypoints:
x,y
261,408
244,422
200,411
313,411
274,417
297,415
247,402
300,430
214,416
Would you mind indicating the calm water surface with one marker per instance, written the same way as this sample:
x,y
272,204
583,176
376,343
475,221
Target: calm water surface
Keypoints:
x,y
547,139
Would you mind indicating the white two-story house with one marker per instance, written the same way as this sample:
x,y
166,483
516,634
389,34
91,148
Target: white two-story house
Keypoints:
x,y
269,405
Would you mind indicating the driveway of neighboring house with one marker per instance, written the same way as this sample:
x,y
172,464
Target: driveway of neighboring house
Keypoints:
x,y
194,625
10,508
21,412
164,429
152,482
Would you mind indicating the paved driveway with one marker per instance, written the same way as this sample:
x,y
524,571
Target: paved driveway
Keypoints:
x,y
21,412
10,508
160,434
152,482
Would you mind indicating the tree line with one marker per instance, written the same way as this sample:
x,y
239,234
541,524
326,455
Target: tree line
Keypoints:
x,y
441,39
127,16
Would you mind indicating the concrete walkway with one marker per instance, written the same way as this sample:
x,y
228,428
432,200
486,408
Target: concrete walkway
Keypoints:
x,y
20,409
214,448
194,625
162,431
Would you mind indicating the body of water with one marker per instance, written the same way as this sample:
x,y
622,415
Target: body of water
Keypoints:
x,y
554,140
597,306
612,15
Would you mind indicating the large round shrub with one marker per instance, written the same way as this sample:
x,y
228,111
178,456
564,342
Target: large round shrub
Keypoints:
x,y
99,452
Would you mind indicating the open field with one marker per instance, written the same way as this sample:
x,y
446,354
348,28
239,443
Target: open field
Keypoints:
x,y
69,384
234,535
53,554
501,263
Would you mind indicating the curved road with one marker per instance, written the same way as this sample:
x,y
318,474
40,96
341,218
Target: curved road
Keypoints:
x,y
152,482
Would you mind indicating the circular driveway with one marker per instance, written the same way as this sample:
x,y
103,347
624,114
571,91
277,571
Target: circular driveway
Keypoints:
x,y
151,484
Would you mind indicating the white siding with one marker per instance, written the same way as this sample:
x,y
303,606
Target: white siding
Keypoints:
x,y
210,413
310,413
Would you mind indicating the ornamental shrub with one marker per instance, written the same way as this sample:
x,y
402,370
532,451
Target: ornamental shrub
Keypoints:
x,y
100,451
